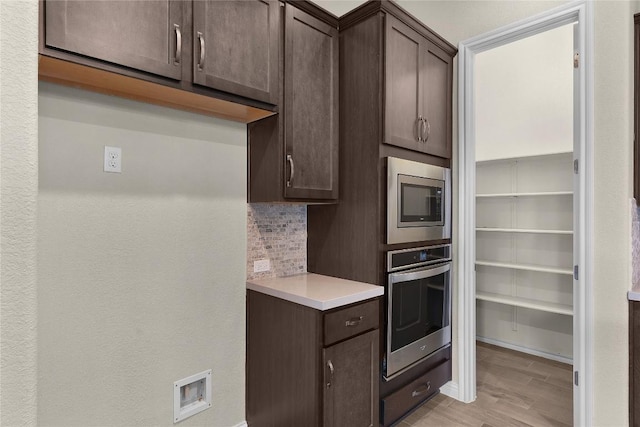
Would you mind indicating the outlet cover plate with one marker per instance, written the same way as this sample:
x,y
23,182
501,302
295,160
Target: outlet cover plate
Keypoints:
x,y
261,265
112,159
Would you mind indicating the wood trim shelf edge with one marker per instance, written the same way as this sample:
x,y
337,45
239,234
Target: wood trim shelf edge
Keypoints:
x,y
81,76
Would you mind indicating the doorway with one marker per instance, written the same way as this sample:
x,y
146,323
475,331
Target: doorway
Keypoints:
x,y
574,227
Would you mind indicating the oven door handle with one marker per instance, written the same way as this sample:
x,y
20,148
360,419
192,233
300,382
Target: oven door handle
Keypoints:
x,y
417,274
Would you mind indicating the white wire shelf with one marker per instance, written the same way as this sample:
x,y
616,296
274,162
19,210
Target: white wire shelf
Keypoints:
x,y
526,267
526,303
538,194
523,230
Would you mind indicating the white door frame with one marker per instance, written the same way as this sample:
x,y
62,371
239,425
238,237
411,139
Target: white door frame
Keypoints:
x,y
580,12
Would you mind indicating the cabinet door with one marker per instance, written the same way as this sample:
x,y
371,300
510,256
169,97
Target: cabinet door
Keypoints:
x,y
137,34
437,73
235,47
403,85
351,371
311,107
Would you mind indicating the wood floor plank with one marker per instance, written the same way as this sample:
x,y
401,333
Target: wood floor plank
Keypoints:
x,y
513,390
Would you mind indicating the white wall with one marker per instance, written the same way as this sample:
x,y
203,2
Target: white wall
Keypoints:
x,y
18,191
524,96
141,275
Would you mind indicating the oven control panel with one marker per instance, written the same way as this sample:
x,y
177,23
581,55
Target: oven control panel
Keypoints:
x,y
416,257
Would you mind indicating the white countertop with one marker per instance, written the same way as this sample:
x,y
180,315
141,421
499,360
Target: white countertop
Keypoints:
x,y
315,290
634,294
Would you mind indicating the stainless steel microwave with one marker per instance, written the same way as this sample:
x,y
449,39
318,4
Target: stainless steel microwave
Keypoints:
x,y
418,201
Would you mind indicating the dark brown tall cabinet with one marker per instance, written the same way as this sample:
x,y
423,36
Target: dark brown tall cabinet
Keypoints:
x,y
294,156
395,100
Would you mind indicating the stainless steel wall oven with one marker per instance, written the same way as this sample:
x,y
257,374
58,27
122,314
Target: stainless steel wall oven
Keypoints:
x,y
418,305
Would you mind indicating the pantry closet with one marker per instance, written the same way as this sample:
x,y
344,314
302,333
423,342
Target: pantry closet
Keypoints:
x,y
524,195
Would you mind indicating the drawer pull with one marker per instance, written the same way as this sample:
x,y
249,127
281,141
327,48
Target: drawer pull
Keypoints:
x,y
354,322
421,390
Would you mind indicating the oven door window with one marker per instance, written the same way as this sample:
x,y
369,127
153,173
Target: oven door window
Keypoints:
x,y
421,202
419,308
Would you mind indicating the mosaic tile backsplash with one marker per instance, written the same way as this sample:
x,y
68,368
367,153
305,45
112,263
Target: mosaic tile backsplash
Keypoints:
x,y
277,233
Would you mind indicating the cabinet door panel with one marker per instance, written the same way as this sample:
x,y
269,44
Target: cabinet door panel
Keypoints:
x,y
235,47
136,34
311,107
437,71
351,382
403,85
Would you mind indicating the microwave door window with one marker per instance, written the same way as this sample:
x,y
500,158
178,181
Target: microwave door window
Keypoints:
x,y
421,204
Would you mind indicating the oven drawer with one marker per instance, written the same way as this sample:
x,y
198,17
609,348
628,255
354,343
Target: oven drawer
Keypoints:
x,y
351,321
400,402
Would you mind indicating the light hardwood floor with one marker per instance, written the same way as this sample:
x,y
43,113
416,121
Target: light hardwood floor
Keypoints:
x,y
513,389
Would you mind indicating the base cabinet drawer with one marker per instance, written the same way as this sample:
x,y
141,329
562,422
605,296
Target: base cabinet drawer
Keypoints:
x,y
400,402
351,321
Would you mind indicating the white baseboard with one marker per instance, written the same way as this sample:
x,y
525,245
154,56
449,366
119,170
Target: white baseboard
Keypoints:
x,y
450,389
556,357
242,424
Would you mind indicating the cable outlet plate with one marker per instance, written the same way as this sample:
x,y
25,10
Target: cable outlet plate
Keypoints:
x,y
191,395
112,159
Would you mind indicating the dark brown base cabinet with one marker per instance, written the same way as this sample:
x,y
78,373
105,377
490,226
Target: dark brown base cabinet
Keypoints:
x,y
307,368
634,363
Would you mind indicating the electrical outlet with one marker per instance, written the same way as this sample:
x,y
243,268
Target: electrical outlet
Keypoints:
x,y
261,265
112,159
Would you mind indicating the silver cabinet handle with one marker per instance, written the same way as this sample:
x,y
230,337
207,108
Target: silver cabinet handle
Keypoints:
x,y
178,56
331,371
421,390
202,51
293,171
420,129
354,322
428,129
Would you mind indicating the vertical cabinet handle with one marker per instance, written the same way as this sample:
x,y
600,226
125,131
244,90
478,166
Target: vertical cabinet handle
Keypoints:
x,y
178,56
420,129
202,51
290,160
426,121
331,371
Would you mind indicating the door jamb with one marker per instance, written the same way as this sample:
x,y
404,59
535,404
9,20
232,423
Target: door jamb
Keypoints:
x,y
580,11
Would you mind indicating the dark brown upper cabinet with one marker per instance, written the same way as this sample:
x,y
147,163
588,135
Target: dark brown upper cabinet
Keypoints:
x,y
311,107
206,56
418,91
294,156
235,47
144,35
